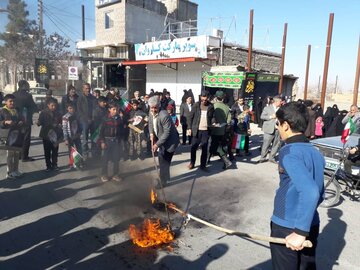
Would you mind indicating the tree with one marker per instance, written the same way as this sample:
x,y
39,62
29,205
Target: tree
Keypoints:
x,y
21,42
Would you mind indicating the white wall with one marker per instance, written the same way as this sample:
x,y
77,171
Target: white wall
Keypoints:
x,y
188,76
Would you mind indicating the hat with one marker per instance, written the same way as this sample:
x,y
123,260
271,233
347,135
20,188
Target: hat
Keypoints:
x,y
219,94
169,107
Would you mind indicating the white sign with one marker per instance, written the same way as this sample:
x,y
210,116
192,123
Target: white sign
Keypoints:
x,y
176,48
73,73
104,2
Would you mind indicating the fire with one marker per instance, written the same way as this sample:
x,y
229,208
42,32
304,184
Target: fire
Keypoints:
x,y
151,234
153,196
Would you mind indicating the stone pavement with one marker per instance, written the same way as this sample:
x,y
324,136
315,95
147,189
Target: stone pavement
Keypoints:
x,y
71,220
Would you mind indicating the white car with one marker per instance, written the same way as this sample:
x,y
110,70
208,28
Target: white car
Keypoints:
x,y
39,95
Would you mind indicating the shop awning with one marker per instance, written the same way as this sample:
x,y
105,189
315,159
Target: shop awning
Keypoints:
x,y
231,80
159,61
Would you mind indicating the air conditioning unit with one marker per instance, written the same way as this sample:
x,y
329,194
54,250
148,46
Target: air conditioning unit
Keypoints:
x,y
109,52
218,33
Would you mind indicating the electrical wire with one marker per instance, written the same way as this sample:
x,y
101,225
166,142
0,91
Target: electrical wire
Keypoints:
x,y
61,22
45,13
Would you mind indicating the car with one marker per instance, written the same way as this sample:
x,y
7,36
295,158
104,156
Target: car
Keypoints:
x,y
332,148
39,95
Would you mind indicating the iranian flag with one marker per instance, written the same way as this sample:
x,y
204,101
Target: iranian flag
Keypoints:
x,y
95,136
75,158
124,105
238,142
348,130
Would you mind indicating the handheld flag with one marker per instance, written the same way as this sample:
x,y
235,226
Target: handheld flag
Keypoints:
x,y
75,158
238,142
348,130
95,136
124,105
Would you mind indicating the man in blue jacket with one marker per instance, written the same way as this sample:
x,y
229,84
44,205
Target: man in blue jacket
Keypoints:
x,y
301,169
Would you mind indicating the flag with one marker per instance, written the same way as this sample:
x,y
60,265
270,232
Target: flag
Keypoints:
x,y
95,136
124,105
238,142
75,158
348,130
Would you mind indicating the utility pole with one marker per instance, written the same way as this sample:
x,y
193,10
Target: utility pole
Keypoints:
x,y
327,57
41,26
336,83
83,21
282,59
251,29
357,77
307,72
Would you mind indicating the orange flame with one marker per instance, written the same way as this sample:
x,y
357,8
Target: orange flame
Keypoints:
x,y
150,234
153,196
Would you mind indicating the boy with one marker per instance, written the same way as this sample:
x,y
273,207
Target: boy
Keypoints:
x,y
109,138
100,112
301,170
243,128
71,130
170,110
51,133
9,118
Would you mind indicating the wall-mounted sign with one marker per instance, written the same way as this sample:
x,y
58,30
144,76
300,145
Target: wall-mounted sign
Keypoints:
x,y
42,70
105,2
231,80
169,49
73,73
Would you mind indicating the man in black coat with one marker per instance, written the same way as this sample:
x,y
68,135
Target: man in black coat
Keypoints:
x,y
25,105
198,124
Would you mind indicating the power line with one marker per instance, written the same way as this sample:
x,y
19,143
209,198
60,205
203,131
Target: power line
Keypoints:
x,y
62,23
58,27
66,13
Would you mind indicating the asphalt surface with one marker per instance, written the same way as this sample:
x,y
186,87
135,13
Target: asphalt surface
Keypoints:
x,y
71,220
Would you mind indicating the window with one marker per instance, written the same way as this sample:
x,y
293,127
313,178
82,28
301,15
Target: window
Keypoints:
x,y
109,19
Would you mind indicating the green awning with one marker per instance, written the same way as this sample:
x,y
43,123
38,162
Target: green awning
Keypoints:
x,y
232,80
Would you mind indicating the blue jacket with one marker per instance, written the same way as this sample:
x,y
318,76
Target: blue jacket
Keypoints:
x,y
301,169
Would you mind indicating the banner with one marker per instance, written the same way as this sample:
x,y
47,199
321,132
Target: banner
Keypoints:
x,y
170,49
232,80
42,70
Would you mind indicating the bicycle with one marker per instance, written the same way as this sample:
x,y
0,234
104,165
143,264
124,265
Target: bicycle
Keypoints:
x,y
334,180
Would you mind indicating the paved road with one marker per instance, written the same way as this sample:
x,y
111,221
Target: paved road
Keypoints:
x,y
70,220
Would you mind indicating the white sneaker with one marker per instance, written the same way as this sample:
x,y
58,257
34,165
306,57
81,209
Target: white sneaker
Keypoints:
x,y
17,173
10,176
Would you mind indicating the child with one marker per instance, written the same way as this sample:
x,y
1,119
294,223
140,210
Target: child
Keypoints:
x,y
109,138
71,130
170,110
243,127
9,118
100,112
51,133
136,122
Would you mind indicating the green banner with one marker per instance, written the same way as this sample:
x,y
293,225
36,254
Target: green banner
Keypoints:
x,y
268,78
232,80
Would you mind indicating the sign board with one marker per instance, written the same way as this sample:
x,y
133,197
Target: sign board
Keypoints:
x,y
169,49
73,73
42,70
105,2
231,80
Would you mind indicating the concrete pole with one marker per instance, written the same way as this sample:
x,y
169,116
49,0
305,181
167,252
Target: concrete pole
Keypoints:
x,y
307,72
282,59
83,21
327,58
251,29
357,77
41,27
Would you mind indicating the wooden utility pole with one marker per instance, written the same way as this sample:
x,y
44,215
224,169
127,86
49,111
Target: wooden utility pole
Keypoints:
x,y
307,72
41,27
327,58
282,59
251,29
83,21
357,77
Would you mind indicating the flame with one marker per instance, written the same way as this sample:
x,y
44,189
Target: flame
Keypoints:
x,y
153,196
150,234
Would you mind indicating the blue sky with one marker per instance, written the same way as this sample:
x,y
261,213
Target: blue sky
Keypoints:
x,y
307,24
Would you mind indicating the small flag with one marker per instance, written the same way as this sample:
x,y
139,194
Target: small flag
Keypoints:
x,y
348,130
95,136
238,142
75,158
124,105
251,105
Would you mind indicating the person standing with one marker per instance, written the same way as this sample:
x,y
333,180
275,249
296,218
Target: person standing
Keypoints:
x,y
221,119
85,108
144,106
164,137
185,111
25,105
9,118
198,124
70,97
271,135
50,121
301,172
237,108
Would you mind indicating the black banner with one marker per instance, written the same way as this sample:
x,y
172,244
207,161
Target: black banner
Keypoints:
x,y
42,70
248,89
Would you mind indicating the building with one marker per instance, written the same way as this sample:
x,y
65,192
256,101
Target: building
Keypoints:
x,y
121,24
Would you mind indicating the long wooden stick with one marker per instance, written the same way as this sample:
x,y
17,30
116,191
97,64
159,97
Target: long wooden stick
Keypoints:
x,y
276,240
